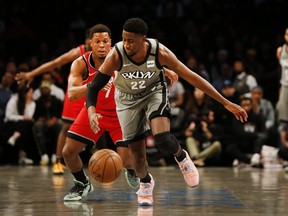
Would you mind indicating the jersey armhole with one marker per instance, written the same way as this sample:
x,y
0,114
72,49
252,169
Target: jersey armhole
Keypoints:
x,y
84,77
120,57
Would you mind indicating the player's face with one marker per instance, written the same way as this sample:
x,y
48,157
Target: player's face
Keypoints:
x,y
132,42
100,43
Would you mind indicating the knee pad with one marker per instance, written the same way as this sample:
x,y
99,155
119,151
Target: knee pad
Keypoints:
x,y
167,142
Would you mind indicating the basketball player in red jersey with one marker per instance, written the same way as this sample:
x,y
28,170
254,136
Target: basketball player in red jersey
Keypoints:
x,y
80,135
70,109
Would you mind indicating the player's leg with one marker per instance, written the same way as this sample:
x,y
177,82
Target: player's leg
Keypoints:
x,y
160,127
114,129
145,192
135,128
158,111
73,161
125,154
58,167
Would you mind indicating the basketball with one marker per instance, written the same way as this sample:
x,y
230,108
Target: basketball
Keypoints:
x,y
105,166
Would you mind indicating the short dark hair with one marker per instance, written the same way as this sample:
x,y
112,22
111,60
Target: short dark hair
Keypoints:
x,y
136,25
99,28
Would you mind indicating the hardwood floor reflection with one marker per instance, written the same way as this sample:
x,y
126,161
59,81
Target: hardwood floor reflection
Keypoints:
x,y
222,191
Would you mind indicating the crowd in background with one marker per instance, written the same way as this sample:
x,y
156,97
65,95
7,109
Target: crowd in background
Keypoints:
x,y
232,44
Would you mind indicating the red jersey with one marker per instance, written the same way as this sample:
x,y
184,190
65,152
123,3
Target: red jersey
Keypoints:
x,y
80,129
105,103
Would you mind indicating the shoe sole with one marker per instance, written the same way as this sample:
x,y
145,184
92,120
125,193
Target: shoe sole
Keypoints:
x,y
145,204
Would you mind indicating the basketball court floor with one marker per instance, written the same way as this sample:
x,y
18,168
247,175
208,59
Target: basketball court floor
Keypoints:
x,y
222,191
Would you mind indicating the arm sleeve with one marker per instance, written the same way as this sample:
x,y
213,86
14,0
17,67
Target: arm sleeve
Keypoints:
x,y
99,81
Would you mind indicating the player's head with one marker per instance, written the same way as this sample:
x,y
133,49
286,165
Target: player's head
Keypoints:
x,y
136,25
100,40
134,35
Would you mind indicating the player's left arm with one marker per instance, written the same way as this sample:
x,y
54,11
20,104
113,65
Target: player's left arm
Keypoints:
x,y
168,59
75,88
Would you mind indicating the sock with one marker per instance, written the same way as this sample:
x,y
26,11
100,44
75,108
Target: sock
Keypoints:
x,y
60,159
180,155
81,176
147,179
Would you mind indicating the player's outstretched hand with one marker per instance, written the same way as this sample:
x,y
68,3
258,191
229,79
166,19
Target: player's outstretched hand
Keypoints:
x,y
238,111
24,77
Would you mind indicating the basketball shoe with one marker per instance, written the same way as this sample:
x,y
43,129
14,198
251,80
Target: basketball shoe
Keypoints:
x,y
189,171
79,190
145,193
131,178
58,168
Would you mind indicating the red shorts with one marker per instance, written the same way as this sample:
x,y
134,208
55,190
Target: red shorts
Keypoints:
x,y
71,109
80,129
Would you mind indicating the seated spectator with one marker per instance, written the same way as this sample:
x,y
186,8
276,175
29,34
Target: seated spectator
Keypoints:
x,y
198,68
265,108
47,122
225,75
247,138
243,82
196,101
5,93
283,152
55,90
176,99
19,123
203,137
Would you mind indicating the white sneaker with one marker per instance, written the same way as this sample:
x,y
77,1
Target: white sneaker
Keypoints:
x,y
53,159
255,160
235,163
44,160
13,138
145,193
25,161
189,171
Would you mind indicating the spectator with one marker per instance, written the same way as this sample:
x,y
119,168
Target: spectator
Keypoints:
x,y
265,108
248,137
5,94
225,74
243,81
203,139
196,101
198,68
54,90
19,122
47,122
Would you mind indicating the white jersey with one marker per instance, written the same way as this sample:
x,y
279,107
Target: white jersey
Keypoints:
x,y
136,78
284,65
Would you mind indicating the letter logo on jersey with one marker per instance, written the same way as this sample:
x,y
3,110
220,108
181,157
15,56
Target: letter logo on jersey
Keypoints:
x,y
150,63
138,75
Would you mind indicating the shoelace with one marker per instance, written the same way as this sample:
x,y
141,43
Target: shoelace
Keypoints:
x,y
145,189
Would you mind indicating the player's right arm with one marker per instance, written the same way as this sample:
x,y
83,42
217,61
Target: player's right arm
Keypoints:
x,y
63,59
111,63
75,89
